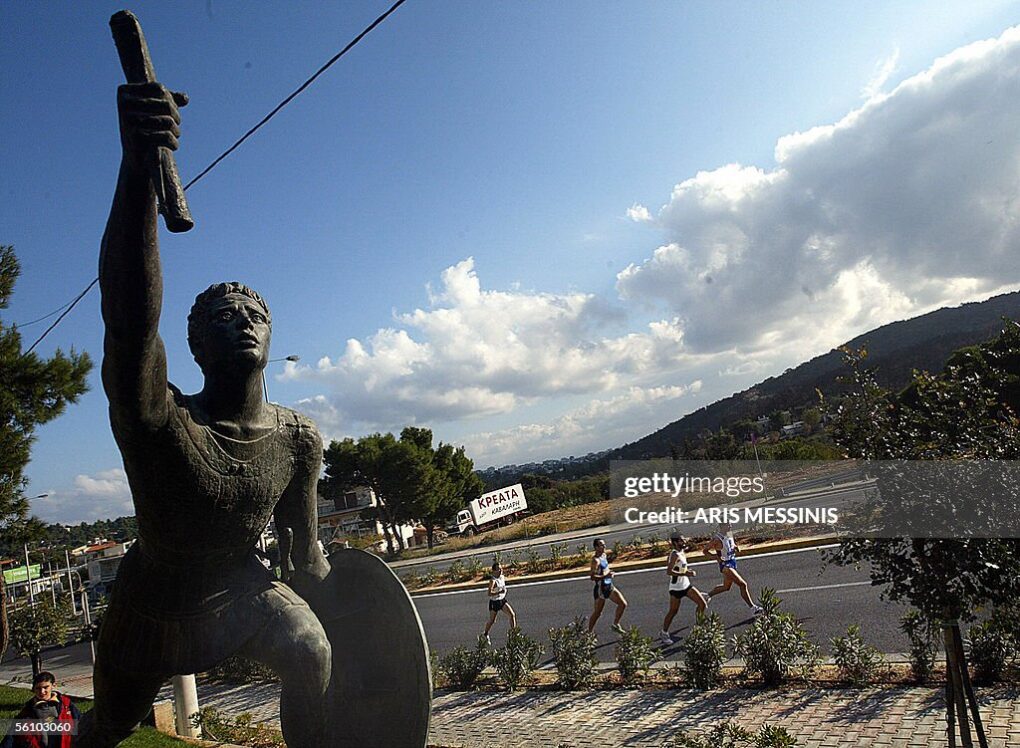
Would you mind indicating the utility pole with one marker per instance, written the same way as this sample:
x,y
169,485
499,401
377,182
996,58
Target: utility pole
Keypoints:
x,y
28,576
70,581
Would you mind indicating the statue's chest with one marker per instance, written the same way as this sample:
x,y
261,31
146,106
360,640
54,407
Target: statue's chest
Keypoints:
x,y
234,476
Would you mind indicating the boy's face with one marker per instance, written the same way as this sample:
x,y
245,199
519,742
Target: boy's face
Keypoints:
x,y
43,690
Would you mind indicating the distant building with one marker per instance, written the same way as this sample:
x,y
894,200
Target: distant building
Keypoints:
x,y
797,428
340,519
102,561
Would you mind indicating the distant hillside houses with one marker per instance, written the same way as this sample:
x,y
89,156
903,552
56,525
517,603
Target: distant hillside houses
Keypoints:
x,y
546,467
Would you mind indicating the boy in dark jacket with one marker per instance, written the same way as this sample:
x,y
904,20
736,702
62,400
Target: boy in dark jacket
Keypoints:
x,y
46,705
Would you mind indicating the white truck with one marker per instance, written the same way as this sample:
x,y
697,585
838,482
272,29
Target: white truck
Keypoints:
x,y
489,510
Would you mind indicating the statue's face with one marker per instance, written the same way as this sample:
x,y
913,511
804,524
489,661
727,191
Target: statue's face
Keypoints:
x,y
237,336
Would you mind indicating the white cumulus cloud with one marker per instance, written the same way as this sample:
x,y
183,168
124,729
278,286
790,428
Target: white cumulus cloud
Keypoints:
x,y
883,71
639,213
476,352
103,495
906,204
612,421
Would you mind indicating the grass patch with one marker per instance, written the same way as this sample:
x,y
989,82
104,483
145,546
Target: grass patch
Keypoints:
x,y
13,699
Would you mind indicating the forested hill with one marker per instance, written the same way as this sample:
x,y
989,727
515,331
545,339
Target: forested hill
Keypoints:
x,y
895,349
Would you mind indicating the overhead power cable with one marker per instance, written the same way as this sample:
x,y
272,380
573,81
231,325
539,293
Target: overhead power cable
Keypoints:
x,y
298,90
37,320
231,149
56,322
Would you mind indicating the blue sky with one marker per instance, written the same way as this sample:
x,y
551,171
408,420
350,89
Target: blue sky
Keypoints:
x,y
539,228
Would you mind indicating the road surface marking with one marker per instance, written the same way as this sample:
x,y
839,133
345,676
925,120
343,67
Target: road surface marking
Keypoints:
x,y
824,587
658,569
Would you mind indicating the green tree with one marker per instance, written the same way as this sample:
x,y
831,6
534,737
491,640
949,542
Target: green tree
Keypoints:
x,y
33,391
443,490
968,411
35,626
395,471
811,417
457,483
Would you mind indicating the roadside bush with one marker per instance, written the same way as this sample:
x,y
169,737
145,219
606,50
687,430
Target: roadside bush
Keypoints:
x,y
574,651
240,730
429,577
236,669
582,551
858,663
516,661
729,735
655,547
924,643
989,650
474,568
1007,618
556,553
634,654
455,571
775,647
463,666
535,563
617,551
705,652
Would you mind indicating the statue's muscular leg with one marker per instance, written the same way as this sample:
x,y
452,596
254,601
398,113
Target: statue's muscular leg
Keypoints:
x,y
295,646
123,699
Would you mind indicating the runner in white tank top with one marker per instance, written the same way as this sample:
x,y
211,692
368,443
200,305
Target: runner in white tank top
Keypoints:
x,y
497,600
725,550
680,585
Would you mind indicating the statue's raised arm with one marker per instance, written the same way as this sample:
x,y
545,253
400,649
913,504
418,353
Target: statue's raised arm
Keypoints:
x,y
130,276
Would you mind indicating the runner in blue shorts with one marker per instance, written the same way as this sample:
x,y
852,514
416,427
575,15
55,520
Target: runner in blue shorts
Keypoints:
x,y
724,548
604,588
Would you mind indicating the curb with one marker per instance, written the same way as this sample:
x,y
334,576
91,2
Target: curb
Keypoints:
x,y
526,542
755,550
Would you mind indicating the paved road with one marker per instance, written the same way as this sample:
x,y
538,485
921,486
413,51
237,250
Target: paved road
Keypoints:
x,y
825,602
623,533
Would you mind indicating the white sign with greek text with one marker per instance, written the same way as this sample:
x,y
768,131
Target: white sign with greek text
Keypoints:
x,y
496,504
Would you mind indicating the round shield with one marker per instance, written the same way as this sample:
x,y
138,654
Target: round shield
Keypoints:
x,y
381,690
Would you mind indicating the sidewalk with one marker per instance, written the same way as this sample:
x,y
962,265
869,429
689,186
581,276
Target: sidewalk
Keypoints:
x,y
818,718
901,717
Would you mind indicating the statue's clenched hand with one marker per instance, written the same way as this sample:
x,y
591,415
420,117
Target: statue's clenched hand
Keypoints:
x,y
149,118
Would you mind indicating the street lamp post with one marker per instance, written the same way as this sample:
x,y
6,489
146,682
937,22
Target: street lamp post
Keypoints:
x,y
28,566
265,387
86,612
